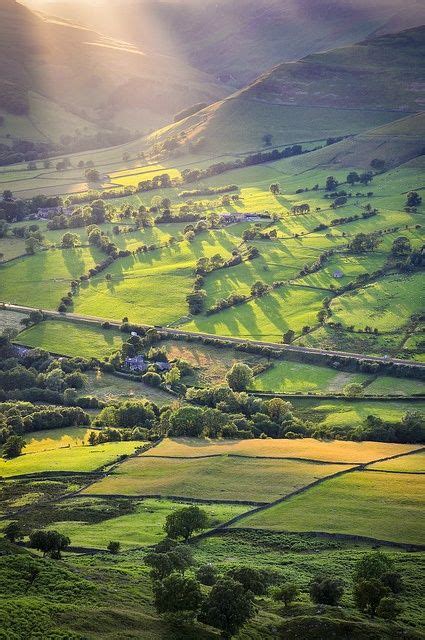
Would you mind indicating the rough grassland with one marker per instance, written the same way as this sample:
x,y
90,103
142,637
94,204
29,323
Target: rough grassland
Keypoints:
x,y
111,387
70,459
386,304
220,478
409,464
11,319
387,506
142,528
73,339
305,448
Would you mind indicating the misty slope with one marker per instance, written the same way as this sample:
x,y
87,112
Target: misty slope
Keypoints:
x,y
56,76
340,92
237,40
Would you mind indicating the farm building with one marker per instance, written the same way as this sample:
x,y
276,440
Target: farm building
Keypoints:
x,y
229,218
338,274
137,363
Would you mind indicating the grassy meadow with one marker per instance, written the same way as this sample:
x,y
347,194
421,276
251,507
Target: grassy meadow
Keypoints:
x,y
386,506
73,339
141,528
218,478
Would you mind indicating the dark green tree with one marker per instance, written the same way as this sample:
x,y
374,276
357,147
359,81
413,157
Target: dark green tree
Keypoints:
x,y
227,607
13,446
324,590
177,594
182,523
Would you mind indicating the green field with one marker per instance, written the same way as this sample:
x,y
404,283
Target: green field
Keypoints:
x,y
77,458
334,413
291,377
219,478
304,448
266,318
73,339
41,280
386,506
139,529
386,304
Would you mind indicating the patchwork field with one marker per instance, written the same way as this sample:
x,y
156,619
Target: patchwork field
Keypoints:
x,y
386,506
141,528
307,449
218,478
73,458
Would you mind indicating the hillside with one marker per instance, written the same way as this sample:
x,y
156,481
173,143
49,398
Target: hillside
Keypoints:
x,y
396,143
239,39
57,77
340,92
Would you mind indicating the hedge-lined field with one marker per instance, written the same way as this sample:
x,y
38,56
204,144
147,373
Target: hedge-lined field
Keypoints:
x,y
305,448
220,478
81,458
73,339
139,529
51,439
387,506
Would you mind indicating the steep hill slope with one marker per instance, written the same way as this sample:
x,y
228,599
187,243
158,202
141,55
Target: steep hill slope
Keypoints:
x,y
340,92
56,76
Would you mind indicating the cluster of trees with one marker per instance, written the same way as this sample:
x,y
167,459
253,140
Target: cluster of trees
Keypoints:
x,y
193,175
19,418
95,213
20,150
413,200
15,210
363,242
226,599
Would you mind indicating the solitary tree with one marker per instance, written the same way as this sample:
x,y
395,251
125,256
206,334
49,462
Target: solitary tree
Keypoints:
x,y
326,590
49,542
13,446
227,607
177,594
413,199
275,189
13,531
353,390
113,547
331,183
184,522
388,608
285,593
288,336
368,594
239,377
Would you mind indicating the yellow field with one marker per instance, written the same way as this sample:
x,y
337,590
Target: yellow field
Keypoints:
x,y
307,448
219,478
414,463
55,439
134,176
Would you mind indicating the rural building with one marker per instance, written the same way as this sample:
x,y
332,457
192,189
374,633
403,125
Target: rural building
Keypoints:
x,y
138,363
230,218
163,366
50,212
337,274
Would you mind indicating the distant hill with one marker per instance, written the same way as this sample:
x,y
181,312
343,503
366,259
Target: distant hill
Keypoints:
x,y
57,77
336,93
395,143
236,40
